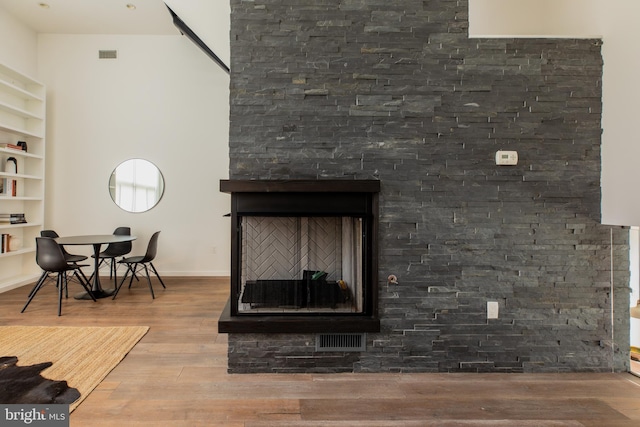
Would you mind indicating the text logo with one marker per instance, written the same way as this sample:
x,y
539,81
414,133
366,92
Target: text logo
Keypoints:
x,y
34,415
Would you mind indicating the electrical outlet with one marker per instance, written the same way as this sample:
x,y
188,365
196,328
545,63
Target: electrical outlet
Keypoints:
x,y
492,309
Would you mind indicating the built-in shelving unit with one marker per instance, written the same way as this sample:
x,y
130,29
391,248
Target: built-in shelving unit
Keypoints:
x,y
22,118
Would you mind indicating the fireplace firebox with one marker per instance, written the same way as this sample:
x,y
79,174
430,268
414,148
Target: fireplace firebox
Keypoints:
x,y
303,256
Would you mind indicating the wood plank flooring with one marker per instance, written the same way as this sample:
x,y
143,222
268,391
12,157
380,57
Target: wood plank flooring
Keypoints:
x,y
176,376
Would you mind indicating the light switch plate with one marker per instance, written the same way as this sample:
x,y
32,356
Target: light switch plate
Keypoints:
x,y
492,309
506,157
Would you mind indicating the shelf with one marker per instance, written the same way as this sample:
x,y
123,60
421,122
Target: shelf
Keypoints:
x,y
5,226
17,76
19,176
22,118
14,90
18,252
19,132
20,198
20,153
19,111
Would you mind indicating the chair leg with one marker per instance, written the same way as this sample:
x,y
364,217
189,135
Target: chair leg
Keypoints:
x,y
146,270
157,275
43,277
135,276
122,282
82,278
81,273
114,271
35,289
66,285
62,281
99,264
134,269
114,265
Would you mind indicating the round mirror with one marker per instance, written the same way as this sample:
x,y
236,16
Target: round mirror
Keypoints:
x,y
136,185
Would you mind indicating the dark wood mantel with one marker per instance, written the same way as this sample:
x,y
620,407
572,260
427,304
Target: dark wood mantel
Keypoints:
x,y
274,324
300,186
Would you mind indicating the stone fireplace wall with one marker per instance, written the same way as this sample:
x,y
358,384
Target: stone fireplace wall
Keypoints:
x,y
396,91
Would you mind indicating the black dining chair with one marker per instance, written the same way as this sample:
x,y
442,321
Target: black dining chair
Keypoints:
x,y
137,263
113,251
69,257
51,259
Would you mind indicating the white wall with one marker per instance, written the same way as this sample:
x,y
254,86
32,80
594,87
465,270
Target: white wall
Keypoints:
x,y
18,45
530,18
162,100
621,141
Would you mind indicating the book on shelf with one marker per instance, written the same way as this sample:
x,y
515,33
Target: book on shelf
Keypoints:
x,y
17,218
6,239
13,218
8,187
11,146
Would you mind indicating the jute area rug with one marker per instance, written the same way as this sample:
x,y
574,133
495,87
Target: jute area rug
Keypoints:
x,y
82,356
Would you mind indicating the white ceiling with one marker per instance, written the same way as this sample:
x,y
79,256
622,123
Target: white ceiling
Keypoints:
x,y
93,16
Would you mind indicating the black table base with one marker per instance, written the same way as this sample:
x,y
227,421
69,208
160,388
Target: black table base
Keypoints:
x,y
102,293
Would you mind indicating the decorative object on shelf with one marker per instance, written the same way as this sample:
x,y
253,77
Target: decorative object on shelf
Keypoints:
x,y
11,165
15,243
22,145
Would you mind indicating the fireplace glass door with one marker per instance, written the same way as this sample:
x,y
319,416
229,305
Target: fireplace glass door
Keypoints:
x,y
301,264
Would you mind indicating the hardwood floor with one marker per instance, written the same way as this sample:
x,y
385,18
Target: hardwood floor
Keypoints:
x,y
176,376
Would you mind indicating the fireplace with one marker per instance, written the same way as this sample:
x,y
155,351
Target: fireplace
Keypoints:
x,y
303,256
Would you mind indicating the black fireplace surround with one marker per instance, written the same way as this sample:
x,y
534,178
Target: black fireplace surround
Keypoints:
x,y
298,199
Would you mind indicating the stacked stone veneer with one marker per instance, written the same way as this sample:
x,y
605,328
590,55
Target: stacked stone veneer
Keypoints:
x,y
396,91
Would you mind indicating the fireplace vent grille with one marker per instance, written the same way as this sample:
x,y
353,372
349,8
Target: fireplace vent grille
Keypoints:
x,y
341,342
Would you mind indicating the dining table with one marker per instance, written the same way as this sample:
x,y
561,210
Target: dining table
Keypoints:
x,y
95,240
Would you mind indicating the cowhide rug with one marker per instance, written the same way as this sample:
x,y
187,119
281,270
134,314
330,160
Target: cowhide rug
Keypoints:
x,y
24,384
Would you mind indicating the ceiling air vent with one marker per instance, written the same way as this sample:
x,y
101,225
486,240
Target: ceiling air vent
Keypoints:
x,y
108,54
341,342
